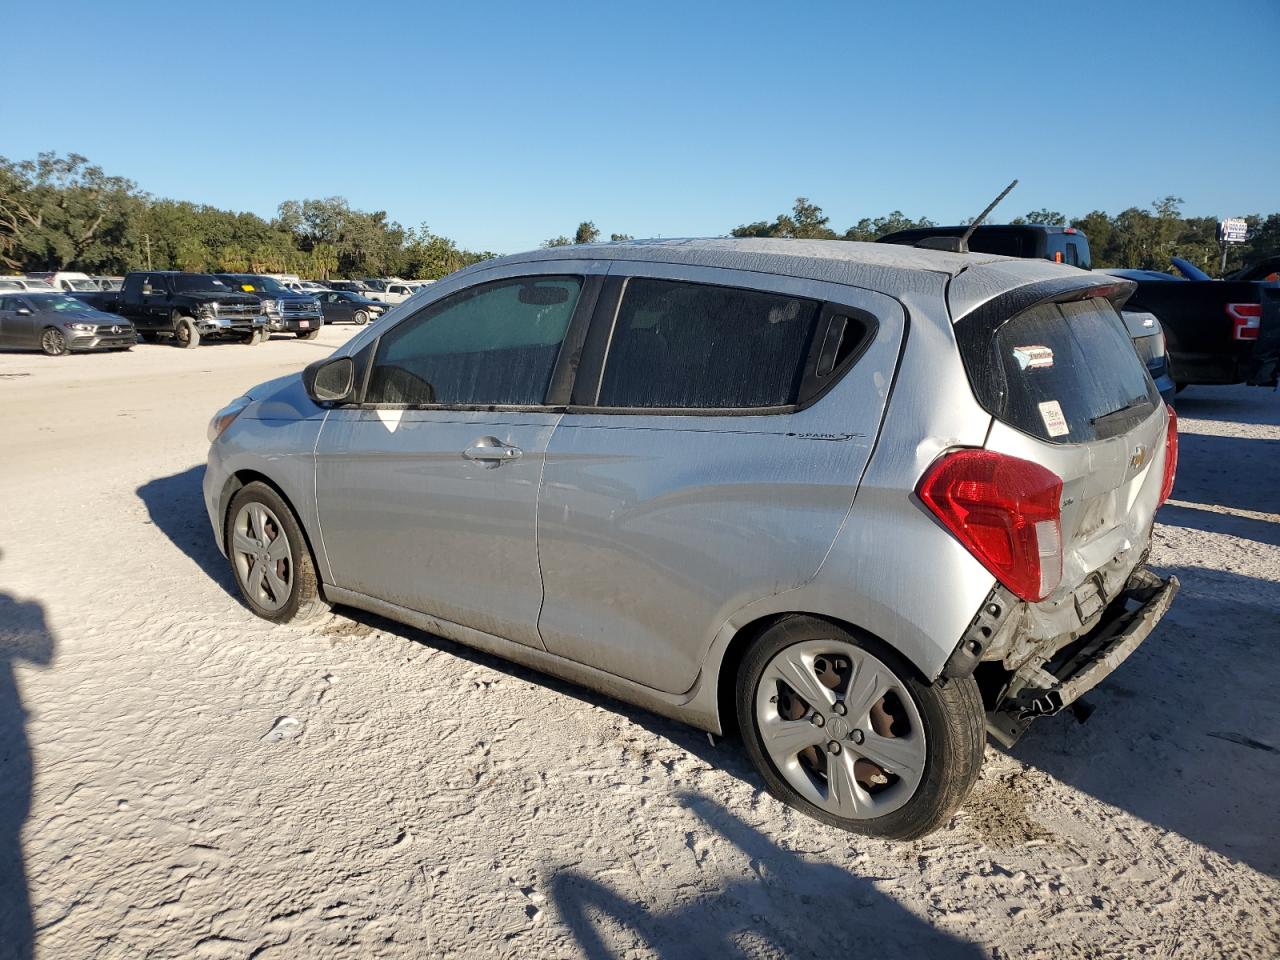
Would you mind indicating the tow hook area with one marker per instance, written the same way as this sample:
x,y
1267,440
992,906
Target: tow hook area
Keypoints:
x,y
1046,689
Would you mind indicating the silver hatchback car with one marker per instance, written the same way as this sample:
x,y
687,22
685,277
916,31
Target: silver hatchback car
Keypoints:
x,y
864,504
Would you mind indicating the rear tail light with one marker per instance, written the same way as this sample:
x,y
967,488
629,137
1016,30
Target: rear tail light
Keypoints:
x,y
1170,456
1246,320
1005,511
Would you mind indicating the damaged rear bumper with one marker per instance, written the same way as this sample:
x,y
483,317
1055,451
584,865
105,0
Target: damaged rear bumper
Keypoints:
x,y
1087,661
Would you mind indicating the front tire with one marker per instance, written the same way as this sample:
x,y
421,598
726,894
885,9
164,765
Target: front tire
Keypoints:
x,y
269,556
842,728
361,317
186,334
53,343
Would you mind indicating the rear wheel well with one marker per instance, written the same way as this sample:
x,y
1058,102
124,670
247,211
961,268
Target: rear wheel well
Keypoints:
x,y
741,643
242,478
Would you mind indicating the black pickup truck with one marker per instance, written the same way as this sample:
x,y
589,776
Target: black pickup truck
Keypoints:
x,y
1216,331
189,307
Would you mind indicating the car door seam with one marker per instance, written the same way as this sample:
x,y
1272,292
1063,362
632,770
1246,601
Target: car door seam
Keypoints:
x,y
537,531
315,492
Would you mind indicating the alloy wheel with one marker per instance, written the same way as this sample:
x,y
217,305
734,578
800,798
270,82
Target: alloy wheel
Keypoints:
x,y
262,556
53,342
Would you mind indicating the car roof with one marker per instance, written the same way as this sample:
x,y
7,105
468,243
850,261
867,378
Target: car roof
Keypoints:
x,y
841,261
885,268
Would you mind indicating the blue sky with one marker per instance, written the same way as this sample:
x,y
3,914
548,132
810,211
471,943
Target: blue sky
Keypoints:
x,y
501,125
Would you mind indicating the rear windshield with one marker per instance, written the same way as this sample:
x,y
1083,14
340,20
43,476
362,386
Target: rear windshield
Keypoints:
x,y
1004,243
1068,373
198,283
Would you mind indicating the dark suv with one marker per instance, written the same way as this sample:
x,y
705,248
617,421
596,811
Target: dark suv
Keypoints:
x,y
1028,241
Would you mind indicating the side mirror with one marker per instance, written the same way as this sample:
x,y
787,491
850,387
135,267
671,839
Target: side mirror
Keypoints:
x,y
330,381
23,311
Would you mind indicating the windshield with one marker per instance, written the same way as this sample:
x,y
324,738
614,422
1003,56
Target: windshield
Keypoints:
x,y
82,285
61,303
261,285
199,283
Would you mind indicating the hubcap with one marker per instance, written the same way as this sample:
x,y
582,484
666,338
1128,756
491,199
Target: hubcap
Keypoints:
x,y
841,728
263,560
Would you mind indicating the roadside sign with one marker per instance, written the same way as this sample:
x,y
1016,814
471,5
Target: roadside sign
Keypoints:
x,y
1233,230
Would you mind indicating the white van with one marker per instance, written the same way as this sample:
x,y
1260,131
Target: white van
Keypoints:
x,y
67,281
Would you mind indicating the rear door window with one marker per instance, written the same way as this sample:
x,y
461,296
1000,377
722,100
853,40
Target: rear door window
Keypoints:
x,y
1067,373
681,345
491,345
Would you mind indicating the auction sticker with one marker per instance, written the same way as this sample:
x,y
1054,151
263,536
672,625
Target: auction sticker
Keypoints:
x,y
1033,357
1054,421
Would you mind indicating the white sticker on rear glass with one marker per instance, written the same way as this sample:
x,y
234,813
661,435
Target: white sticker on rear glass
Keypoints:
x,y
1032,357
1054,421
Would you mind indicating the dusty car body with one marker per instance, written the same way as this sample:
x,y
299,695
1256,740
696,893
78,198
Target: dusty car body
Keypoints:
x,y
857,501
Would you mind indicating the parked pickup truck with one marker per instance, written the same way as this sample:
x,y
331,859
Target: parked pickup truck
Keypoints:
x,y
389,291
287,310
1216,331
189,307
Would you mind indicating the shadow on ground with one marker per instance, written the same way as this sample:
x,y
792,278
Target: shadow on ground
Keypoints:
x,y
1239,404
1185,735
24,636
176,506
790,907
1240,473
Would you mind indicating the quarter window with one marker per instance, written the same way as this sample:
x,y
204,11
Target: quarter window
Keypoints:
x,y
690,345
494,344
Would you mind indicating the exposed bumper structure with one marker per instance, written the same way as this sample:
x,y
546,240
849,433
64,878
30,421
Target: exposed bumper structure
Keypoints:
x,y
1083,664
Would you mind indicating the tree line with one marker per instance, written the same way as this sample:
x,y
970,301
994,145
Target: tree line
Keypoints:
x,y
61,212
1136,238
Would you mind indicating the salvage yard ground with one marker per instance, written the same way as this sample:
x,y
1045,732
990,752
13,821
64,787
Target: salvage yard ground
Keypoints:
x,y
206,785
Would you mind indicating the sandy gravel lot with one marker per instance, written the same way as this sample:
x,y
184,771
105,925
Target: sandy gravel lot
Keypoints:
x,y
417,799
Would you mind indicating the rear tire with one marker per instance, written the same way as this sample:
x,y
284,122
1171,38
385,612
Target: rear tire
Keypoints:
x,y
277,580
186,334
308,334
53,343
937,734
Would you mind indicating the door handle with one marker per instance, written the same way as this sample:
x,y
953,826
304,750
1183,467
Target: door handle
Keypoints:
x,y
492,452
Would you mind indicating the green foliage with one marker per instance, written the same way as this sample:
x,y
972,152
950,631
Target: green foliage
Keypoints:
x,y
560,241
586,233
617,237
868,229
806,222
65,213
1132,238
